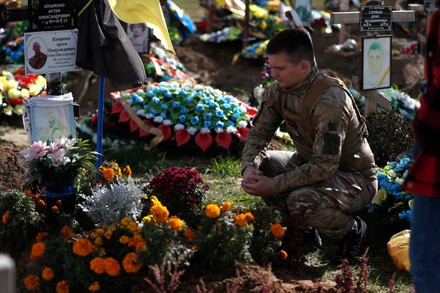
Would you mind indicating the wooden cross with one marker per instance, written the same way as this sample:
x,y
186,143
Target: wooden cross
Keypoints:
x,y
373,97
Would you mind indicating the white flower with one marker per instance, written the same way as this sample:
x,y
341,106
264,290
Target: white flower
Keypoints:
x,y
167,122
179,126
231,129
158,119
192,130
205,130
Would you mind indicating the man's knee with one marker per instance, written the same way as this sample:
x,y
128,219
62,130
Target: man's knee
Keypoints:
x,y
302,204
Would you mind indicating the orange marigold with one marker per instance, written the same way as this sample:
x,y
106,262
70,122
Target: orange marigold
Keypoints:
x,y
225,206
32,282
41,235
83,247
190,234
47,274
97,265
5,217
108,174
37,250
112,267
130,263
277,230
175,223
67,232
212,211
63,287
123,239
127,170
240,220
94,287
160,213
55,209
283,255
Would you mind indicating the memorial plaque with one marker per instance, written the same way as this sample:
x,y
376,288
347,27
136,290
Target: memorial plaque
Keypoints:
x,y
48,15
375,18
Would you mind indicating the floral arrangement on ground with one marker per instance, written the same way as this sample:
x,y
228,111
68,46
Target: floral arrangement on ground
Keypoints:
x,y
180,113
123,233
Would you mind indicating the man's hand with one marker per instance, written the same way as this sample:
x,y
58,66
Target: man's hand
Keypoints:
x,y
255,183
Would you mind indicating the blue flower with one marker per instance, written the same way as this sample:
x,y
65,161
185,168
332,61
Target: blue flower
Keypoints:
x,y
200,107
182,118
207,124
175,105
183,110
219,114
194,120
189,100
136,98
164,107
219,124
163,115
168,95
207,116
212,105
156,100
152,111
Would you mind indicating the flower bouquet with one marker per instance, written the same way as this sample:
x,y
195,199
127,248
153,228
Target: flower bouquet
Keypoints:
x,y
54,166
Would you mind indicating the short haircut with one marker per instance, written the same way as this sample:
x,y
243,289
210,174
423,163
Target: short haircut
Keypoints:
x,y
143,25
295,43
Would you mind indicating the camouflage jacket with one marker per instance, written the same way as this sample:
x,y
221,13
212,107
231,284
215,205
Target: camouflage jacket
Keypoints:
x,y
323,148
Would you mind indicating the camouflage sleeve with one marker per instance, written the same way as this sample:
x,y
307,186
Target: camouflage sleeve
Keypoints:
x,y
330,117
264,125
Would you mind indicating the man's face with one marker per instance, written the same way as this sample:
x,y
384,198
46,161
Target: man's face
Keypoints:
x,y
286,73
137,29
36,47
375,61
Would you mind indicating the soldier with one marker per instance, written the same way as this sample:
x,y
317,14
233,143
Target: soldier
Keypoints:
x,y
332,174
39,59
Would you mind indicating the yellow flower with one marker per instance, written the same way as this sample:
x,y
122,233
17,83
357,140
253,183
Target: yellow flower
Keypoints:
x,y
127,170
131,263
155,201
175,223
94,287
112,267
97,265
47,274
240,220
277,230
147,219
37,250
5,217
212,211
263,25
160,213
225,206
32,282
63,287
83,247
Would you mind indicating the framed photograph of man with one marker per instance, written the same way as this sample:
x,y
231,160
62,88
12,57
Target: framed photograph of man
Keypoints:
x,y
139,35
376,62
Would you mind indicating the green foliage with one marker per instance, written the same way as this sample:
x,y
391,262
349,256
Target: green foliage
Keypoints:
x,y
19,221
225,167
389,135
222,242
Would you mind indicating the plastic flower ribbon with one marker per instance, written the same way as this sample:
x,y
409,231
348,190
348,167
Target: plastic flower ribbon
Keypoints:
x,y
390,195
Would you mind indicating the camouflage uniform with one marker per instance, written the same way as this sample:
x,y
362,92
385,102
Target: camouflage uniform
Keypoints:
x,y
332,173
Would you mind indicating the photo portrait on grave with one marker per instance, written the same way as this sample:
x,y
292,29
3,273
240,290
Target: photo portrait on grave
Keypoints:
x,y
139,36
376,62
38,60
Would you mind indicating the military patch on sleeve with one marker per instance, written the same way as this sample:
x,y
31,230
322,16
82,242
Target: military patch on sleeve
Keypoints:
x,y
332,141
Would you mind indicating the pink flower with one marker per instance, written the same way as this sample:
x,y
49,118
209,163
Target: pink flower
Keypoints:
x,y
36,150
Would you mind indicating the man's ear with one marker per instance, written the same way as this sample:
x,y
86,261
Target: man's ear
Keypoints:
x,y
305,66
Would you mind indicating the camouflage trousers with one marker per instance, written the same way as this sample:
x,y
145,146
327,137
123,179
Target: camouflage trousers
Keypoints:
x,y
326,206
